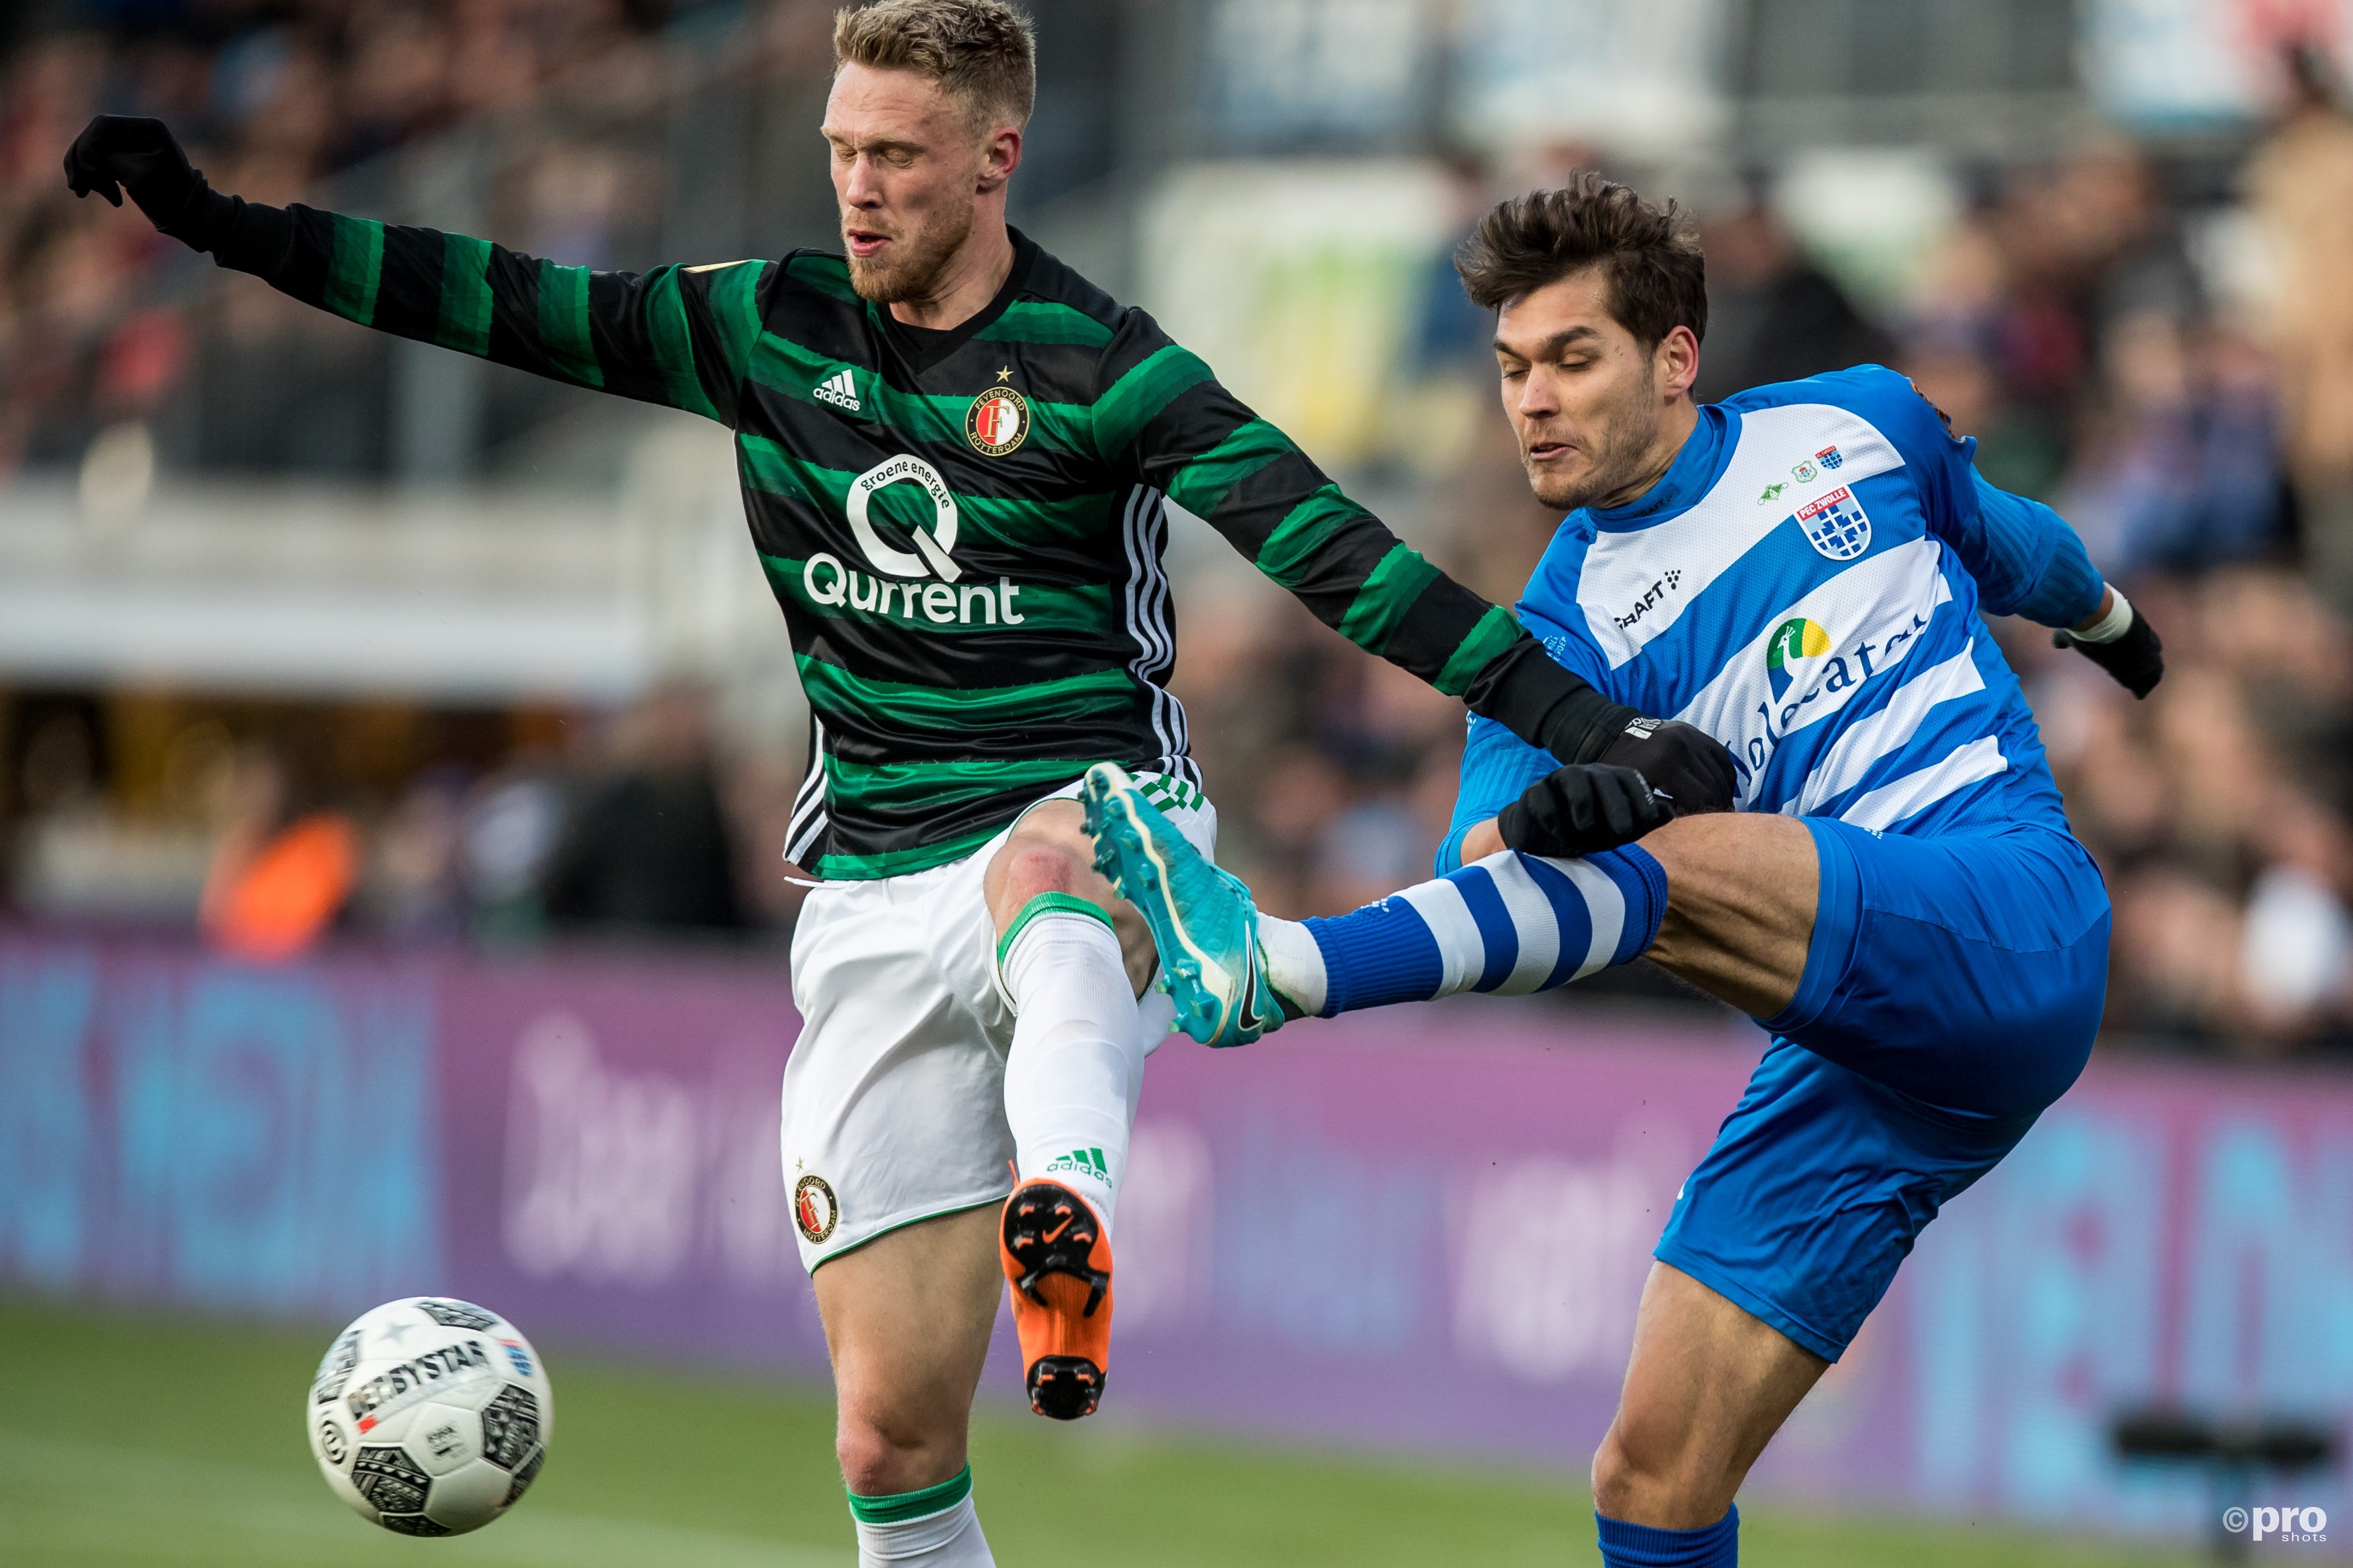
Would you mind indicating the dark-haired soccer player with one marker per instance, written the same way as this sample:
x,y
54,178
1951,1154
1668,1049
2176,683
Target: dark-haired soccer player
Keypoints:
x,y
1797,571
956,456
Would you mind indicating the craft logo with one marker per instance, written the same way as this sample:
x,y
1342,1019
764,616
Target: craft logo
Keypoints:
x,y
1794,641
1831,457
1836,525
814,1208
997,422
1651,600
2277,1523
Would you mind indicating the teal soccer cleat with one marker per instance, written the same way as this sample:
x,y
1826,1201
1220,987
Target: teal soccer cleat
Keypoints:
x,y
1203,919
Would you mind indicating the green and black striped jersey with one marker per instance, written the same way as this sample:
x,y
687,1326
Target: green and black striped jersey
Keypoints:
x,y
964,527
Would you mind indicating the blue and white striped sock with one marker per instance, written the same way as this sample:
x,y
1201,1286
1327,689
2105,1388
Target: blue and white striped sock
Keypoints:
x,y
1510,923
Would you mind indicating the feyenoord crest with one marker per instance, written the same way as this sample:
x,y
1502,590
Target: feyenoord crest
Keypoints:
x,y
814,1209
1836,525
997,422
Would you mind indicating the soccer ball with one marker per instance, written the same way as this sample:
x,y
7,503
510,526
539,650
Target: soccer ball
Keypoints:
x,y
430,1416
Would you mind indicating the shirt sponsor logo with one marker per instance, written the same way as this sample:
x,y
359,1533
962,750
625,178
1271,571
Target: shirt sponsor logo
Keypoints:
x,y
950,600
933,544
997,421
838,389
1869,617
1794,642
814,1208
826,581
1836,525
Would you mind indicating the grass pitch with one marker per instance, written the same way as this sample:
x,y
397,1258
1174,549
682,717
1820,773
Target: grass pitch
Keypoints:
x,y
150,1440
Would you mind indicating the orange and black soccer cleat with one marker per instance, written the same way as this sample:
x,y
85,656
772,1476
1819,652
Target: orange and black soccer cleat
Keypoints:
x,y
1057,1262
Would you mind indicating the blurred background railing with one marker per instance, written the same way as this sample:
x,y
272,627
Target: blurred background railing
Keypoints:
x,y
256,565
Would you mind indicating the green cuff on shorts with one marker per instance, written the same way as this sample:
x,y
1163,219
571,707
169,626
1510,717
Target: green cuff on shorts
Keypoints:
x,y
900,1507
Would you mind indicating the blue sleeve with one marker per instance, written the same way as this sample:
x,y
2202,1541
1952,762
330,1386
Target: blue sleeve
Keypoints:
x,y
1496,766
2025,558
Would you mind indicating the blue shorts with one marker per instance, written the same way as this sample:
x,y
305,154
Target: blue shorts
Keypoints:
x,y
1951,992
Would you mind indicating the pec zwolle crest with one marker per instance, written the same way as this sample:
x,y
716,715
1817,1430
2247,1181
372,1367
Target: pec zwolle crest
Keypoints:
x,y
997,421
1836,525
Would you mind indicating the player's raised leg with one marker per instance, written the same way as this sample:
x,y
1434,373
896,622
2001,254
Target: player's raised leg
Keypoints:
x,y
907,1319
1510,923
1072,958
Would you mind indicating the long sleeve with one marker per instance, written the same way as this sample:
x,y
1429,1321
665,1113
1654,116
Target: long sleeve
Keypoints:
x,y
2026,559
1163,416
1497,768
680,336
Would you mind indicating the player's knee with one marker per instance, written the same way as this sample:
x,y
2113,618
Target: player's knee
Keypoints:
x,y
881,1457
1645,1476
1037,867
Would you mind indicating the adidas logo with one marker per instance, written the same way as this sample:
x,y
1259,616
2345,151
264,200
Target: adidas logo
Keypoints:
x,y
1086,1162
838,390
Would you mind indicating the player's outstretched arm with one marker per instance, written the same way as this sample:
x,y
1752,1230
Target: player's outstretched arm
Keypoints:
x,y
678,336
1162,412
2027,561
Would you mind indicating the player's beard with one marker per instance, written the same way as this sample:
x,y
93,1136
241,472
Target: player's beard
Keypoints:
x,y
1618,444
910,268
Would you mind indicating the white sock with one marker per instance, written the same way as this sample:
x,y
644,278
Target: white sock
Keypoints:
x,y
948,1539
1294,964
1076,1066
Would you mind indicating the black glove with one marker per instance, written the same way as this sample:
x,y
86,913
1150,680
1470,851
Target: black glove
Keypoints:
x,y
1582,809
142,158
1683,764
2137,658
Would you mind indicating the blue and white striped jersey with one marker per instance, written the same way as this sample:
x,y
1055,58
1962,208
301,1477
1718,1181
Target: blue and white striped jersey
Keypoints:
x,y
1804,585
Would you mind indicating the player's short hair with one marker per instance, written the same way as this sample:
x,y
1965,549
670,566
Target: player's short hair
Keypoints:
x,y
984,52
1658,280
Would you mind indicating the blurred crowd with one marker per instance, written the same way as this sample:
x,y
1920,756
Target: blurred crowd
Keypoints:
x,y
275,825
2158,343
103,322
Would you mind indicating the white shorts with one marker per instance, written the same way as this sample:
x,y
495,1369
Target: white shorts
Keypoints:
x,y
894,1093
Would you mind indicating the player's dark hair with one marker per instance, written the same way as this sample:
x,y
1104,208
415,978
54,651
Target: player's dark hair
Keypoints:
x,y
982,51
1658,280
